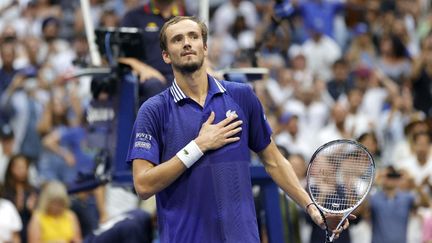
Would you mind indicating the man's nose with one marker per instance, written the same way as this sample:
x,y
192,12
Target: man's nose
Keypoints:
x,y
187,42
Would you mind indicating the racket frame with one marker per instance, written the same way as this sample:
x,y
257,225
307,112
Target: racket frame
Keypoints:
x,y
348,211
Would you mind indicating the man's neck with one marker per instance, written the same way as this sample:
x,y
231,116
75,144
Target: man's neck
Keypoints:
x,y
194,85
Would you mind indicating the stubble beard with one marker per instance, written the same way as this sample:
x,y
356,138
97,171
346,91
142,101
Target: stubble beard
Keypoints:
x,y
189,67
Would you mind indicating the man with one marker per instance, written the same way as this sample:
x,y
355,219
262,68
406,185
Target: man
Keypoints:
x,y
190,146
153,73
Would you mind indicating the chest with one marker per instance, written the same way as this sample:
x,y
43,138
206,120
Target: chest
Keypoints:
x,y
184,122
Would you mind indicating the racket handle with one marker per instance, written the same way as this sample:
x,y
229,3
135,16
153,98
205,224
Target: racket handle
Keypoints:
x,y
338,226
329,239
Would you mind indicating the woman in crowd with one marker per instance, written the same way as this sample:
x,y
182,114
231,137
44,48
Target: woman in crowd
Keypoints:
x,y
18,190
53,221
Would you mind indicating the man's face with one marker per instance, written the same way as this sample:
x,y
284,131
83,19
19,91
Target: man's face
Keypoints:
x,y
185,47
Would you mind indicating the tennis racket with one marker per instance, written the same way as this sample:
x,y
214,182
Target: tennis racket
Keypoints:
x,y
339,177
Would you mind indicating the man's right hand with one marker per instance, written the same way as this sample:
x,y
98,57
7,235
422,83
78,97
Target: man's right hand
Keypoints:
x,y
213,136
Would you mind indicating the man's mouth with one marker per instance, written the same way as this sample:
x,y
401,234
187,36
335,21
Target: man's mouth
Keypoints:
x,y
188,53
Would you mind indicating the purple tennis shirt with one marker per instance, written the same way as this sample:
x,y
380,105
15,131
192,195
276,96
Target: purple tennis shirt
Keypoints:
x,y
212,201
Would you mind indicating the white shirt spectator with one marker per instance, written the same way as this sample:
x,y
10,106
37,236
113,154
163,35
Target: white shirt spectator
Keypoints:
x,y
295,145
390,132
329,133
373,101
311,118
278,93
226,14
321,55
417,171
358,124
10,221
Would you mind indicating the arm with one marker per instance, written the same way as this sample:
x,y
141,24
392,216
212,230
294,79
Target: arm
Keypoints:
x,y
144,71
99,193
52,142
150,179
283,174
45,122
76,228
33,228
16,237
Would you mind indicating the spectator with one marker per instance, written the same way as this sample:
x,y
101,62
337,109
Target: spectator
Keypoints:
x,y
301,73
404,150
10,222
419,166
394,58
24,105
282,88
370,141
53,220
311,110
154,73
56,165
321,52
290,136
336,128
388,226
19,191
72,144
357,121
361,52
7,71
339,85
422,77
225,15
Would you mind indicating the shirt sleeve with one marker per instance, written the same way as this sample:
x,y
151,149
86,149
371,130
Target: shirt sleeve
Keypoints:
x,y
15,223
259,129
145,138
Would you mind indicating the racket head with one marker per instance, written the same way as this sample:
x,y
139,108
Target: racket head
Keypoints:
x,y
340,174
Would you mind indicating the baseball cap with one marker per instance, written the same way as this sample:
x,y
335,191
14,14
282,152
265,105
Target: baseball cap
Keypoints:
x,y
6,131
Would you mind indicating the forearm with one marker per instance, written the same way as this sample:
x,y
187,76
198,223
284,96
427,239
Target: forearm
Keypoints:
x,y
150,180
283,174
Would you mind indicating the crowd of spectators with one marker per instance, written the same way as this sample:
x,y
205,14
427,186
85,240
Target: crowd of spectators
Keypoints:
x,y
354,69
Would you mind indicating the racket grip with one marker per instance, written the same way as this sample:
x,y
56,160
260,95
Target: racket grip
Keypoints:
x,y
331,238
338,226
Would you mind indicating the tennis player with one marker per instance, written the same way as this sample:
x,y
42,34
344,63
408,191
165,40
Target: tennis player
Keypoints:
x,y
191,147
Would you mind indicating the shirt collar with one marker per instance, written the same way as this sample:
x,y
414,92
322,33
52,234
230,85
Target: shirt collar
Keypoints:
x,y
215,87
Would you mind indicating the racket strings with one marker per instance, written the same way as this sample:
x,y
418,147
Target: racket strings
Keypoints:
x,y
340,176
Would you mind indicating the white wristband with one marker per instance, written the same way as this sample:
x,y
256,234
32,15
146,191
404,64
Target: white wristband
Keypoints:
x,y
190,154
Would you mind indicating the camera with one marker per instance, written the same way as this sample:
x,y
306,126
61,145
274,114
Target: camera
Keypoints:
x,y
103,83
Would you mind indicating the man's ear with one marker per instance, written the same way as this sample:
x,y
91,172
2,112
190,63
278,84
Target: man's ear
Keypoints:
x,y
205,50
166,57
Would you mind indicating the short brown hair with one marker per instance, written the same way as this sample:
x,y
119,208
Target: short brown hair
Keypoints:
x,y
175,20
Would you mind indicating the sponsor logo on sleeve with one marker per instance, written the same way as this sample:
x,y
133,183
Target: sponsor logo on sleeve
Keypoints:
x,y
143,141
